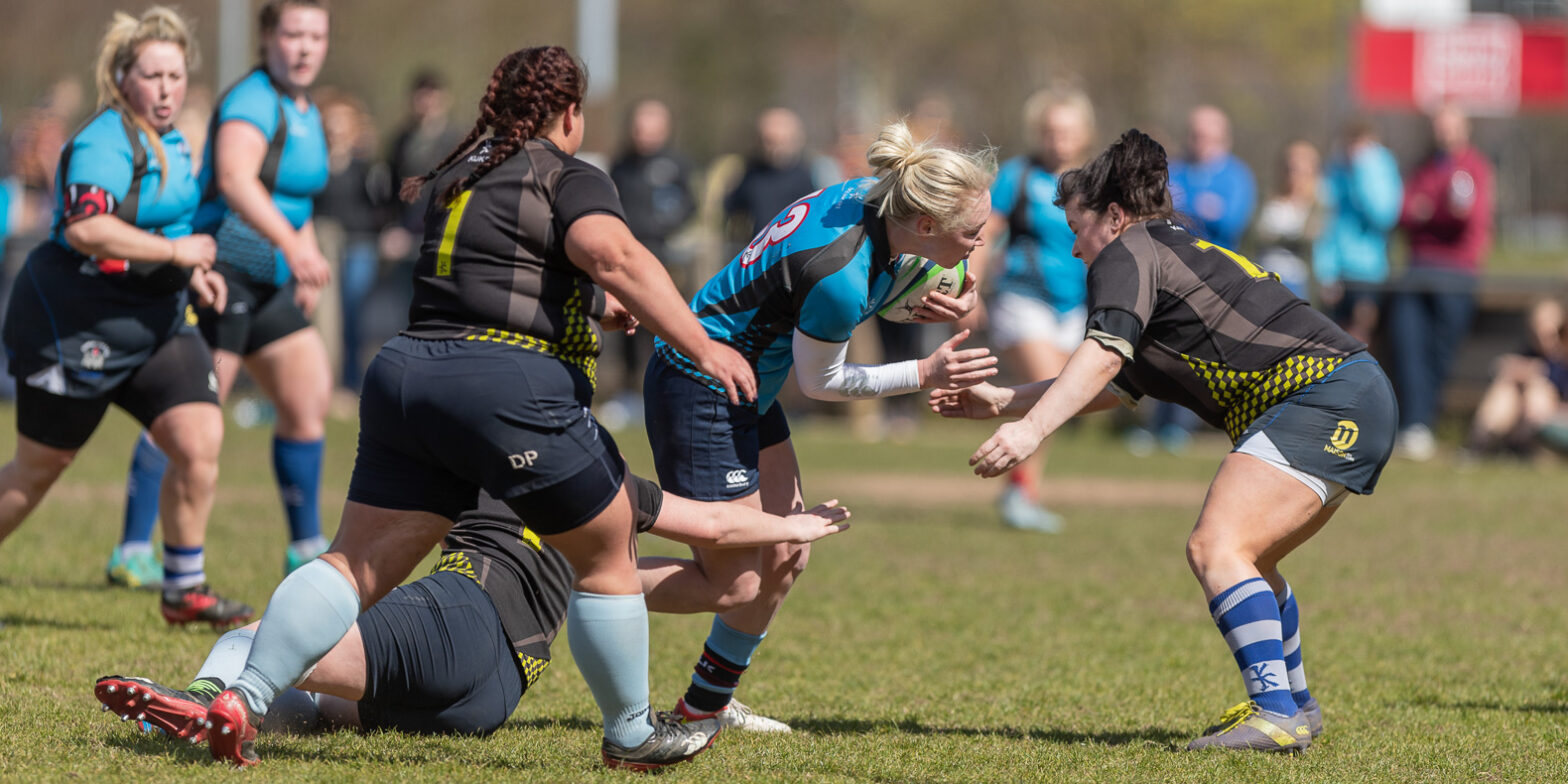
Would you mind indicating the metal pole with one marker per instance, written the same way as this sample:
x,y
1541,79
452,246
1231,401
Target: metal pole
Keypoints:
x,y
597,21
235,56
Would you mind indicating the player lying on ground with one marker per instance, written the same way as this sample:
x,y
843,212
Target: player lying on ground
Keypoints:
x,y
430,657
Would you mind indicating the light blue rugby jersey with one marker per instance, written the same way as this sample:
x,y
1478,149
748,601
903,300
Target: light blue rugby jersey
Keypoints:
x,y
822,267
301,169
1041,264
101,154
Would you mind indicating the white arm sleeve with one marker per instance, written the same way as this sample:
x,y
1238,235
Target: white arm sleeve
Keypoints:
x,y
824,375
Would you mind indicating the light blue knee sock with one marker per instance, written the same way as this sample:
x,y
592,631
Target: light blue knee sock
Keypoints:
x,y
309,612
609,639
224,662
293,711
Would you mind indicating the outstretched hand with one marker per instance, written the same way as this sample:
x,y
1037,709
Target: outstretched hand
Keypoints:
x,y
952,367
981,401
1012,443
822,520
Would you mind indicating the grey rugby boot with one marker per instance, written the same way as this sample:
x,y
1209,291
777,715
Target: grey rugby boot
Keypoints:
x,y
1249,727
1314,717
672,742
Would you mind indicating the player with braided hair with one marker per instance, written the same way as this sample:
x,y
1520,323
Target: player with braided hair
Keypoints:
x,y
525,256
1182,320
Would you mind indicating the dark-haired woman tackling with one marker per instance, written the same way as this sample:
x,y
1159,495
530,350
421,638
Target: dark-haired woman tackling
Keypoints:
x,y
1311,414
489,387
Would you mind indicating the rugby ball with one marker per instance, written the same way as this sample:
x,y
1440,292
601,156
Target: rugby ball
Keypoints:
x,y
913,278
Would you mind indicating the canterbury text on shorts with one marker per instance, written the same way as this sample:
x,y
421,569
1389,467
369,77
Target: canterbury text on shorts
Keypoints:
x,y
255,316
439,419
437,660
703,447
1340,429
179,372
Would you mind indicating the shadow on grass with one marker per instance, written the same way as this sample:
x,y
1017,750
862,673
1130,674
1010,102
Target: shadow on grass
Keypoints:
x,y
415,749
1493,705
94,587
580,725
1156,735
156,745
62,624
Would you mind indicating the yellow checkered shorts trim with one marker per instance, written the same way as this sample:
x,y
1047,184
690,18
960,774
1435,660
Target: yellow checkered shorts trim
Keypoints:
x,y
532,669
457,562
1245,394
580,346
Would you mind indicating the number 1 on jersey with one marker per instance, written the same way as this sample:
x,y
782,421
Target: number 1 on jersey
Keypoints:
x,y
454,220
1246,265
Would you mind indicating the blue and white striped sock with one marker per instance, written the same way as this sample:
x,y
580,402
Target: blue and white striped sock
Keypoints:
x,y
183,568
1248,616
1290,630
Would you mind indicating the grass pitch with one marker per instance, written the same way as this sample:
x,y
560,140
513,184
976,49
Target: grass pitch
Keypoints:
x,y
927,644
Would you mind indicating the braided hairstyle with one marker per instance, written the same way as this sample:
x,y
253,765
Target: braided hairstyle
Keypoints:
x,y
1131,172
529,88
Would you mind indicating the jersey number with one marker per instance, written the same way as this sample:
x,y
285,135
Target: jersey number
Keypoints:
x,y
1246,265
454,221
777,231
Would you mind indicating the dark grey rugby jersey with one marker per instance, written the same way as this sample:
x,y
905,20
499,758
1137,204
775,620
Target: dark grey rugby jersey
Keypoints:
x,y
529,582
493,266
1205,328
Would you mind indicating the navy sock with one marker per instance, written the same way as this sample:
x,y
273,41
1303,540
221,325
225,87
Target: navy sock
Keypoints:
x,y
142,487
297,465
725,657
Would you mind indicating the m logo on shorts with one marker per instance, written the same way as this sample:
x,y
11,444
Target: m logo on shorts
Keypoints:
x,y
736,479
1345,434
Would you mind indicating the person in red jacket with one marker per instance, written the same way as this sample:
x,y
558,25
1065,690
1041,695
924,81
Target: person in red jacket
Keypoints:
x,y
1447,217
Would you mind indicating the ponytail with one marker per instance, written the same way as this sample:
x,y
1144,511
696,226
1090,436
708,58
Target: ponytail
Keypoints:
x,y
923,178
1132,172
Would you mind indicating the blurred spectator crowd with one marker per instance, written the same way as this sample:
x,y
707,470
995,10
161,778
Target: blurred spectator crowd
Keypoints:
x,y
1324,224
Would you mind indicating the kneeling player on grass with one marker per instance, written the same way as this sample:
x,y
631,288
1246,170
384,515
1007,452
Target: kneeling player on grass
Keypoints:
x,y
429,658
1311,414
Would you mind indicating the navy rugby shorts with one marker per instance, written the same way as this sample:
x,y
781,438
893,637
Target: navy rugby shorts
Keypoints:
x,y
1340,429
439,419
704,448
437,660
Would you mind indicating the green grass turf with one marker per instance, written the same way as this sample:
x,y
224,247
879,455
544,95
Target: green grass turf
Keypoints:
x,y
926,644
